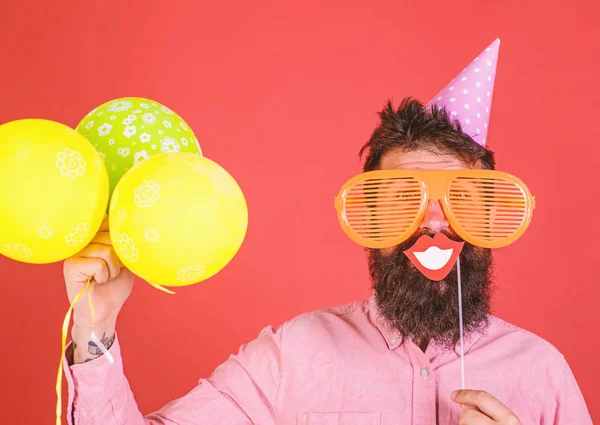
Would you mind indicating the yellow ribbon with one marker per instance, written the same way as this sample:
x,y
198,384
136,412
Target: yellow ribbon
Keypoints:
x,y
160,288
65,329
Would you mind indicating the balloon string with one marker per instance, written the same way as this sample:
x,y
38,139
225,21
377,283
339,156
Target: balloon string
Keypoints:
x,y
65,329
160,288
91,304
460,319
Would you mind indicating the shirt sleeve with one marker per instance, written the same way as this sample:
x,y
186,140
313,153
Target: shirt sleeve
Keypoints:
x,y
243,390
570,404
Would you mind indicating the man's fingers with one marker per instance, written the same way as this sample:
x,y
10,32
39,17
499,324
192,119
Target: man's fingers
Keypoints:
x,y
104,225
105,253
102,238
486,403
473,417
84,268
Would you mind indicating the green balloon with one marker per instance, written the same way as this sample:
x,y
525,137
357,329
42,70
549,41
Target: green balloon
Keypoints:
x,y
128,130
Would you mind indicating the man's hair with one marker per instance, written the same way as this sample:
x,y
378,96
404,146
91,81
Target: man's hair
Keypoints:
x,y
414,127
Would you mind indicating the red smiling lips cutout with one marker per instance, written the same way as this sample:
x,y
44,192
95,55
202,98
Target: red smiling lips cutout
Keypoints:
x,y
434,257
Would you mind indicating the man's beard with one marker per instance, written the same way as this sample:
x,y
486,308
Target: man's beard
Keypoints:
x,y
422,309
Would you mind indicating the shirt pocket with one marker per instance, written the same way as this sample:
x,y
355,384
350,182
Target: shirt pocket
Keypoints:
x,y
338,419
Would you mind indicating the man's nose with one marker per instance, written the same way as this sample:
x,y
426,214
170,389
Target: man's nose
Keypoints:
x,y
434,218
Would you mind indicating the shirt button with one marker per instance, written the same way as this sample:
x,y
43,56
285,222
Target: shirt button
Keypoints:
x,y
424,372
394,341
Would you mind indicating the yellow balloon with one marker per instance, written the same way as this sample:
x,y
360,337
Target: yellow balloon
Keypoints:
x,y
53,191
177,219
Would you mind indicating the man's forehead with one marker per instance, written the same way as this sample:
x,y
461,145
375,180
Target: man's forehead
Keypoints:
x,y
420,160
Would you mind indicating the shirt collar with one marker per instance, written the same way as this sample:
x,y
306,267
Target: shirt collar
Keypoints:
x,y
393,338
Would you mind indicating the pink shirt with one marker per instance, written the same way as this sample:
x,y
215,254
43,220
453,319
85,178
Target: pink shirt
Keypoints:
x,y
342,367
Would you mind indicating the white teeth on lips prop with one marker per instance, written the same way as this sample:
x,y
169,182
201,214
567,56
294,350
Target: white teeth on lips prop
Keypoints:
x,y
434,258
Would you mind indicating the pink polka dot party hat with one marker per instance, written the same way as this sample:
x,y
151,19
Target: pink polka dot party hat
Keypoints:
x,y
468,96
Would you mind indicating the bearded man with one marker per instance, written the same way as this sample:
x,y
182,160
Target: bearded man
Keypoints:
x,y
396,358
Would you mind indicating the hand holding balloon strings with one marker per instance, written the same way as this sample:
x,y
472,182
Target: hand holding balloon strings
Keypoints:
x,y
65,329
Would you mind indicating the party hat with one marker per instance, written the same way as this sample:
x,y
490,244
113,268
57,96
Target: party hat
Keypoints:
x,y
468,97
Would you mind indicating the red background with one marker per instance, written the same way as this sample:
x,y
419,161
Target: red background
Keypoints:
x,y
283,94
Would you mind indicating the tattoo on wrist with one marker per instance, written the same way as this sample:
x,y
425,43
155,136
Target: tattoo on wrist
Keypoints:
x,y
94,350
